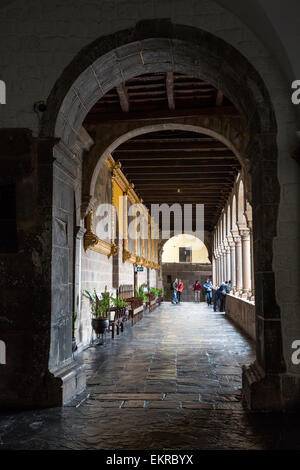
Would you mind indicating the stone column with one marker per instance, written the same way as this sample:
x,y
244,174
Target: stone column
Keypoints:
x,y
222,262
214,269
233,262
248,215
252,263
79,231
246,254
238,259
228,261
217,266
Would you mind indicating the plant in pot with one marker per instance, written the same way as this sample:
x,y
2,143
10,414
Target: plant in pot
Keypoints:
x,y
120,304
160,293
154,290
140,293
105,294
99,310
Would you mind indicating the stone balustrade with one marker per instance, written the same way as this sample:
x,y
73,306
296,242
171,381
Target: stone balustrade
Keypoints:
x,y
242,312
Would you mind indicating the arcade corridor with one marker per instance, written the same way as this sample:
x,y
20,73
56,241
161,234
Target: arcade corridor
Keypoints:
x,y
171,382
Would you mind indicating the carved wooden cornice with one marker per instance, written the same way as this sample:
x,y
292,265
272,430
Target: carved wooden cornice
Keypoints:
x,y
138,260
94,243
125,185
130,257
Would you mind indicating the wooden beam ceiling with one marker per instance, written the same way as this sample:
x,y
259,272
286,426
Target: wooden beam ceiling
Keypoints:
x,y
172,166
180,167
162,95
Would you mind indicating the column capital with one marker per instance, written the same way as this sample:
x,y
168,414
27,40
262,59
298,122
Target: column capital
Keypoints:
x,y
230,241
236,237
245,233
227,248
248,216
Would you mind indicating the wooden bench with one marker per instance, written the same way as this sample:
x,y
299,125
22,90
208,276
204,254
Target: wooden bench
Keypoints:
x,y
136,309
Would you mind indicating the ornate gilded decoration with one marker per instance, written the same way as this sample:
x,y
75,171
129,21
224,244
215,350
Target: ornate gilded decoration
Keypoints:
x,y
121,186
94,243
130,257
114,250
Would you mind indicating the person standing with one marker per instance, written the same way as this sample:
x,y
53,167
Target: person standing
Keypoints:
x,y
208,287
223,293
180,289
228,289
197,291
216,298
175,291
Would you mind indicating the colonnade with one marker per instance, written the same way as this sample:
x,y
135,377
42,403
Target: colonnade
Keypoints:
x,y
233,244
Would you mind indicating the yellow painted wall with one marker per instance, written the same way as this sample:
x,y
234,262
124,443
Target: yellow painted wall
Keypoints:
x,y
170,252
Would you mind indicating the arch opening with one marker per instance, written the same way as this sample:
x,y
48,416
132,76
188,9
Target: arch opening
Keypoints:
x,y
64,120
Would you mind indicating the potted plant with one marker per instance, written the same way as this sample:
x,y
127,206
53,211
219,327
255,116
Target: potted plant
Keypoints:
x,y
119,304
154,290
160,294
105,294
140,293
99,310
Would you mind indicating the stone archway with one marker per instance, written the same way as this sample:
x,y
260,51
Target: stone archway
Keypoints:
x,y
108,137
163,46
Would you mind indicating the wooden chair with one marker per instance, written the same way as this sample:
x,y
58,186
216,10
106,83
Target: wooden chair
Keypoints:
x,y
117,318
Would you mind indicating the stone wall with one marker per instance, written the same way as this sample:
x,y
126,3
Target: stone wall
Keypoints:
x,y
96,273
242,312
188,273
153,277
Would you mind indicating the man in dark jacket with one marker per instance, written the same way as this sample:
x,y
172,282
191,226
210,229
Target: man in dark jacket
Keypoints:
x,y
222,295
216,298
175,290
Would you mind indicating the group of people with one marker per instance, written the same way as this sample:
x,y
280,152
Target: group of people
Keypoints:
x,y
177,287
219,298
208,289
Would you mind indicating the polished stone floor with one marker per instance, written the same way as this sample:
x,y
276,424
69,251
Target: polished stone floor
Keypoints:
x,y
172,381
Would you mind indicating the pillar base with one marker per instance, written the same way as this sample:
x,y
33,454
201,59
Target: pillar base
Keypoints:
x,y
44,390
71,380
270,392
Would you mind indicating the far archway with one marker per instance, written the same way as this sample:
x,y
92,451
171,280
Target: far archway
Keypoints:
x,y
184,257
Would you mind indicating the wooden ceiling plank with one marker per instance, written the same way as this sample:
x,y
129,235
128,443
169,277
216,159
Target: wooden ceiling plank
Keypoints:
x,y
219,98
170,89
146,115
123,97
